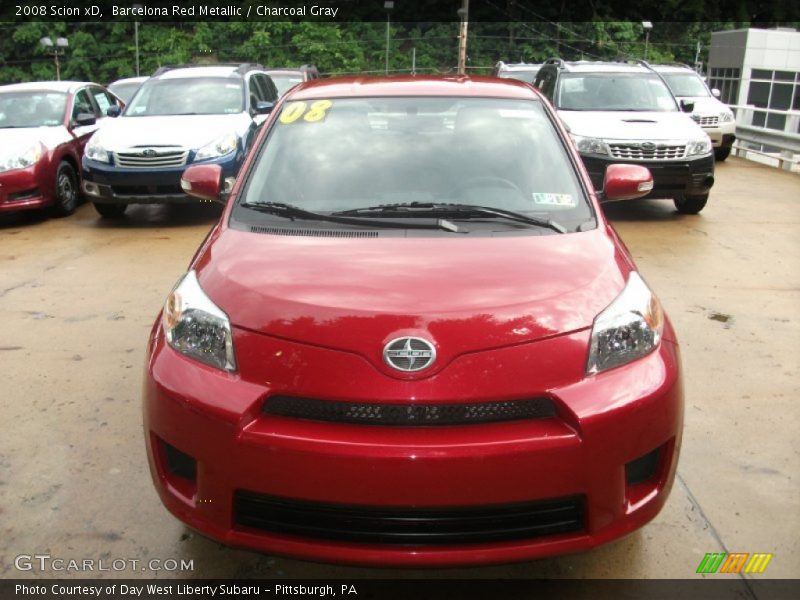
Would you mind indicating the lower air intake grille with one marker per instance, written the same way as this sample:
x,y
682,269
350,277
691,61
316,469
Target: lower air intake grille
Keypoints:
x,y
408,415
412,525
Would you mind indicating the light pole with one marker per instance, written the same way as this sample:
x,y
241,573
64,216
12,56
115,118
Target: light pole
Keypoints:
x,y
388,5
61,42
463,14
136,39
647,27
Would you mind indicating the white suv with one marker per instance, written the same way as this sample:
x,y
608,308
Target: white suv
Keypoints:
x,y
620,112
713,116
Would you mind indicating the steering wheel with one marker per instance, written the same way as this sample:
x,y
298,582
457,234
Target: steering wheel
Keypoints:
x,y
485,182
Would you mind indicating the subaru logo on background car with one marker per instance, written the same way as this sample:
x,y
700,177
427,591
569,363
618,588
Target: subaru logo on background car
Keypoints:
x,y
648,146
409,354
148,152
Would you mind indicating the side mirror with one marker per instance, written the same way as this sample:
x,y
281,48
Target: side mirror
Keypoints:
x,y
113,111
203,182
263,107
85,119
626,182
715,92
687,106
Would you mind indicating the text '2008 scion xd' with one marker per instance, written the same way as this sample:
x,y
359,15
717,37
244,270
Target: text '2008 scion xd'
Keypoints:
x,y
413,338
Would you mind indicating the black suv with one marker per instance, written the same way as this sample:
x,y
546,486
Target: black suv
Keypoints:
x,y
619,112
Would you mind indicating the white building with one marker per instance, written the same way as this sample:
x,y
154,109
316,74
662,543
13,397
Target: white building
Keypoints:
x,y
758,67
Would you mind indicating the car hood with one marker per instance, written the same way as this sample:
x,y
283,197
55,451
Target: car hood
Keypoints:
x,y
465,295
22,138
618,125
706,105
189,131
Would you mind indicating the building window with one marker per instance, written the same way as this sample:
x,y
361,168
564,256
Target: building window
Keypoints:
x,y
727,82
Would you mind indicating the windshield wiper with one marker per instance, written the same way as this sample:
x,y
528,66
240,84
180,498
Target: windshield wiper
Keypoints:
x,y
460,211
294,212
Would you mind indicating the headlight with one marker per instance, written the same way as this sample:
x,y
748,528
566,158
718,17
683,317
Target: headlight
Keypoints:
x,y
701,146
197,327
588,145
627,329
726,117
94,151
21,160
219,147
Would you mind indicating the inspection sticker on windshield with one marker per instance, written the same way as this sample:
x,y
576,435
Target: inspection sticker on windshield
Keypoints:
x,y
517,113
546,199
315,112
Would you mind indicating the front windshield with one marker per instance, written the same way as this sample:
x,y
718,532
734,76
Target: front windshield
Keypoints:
x,y
614,91
350,153
188,96
685,84
526,76
125,90
284,81
32,109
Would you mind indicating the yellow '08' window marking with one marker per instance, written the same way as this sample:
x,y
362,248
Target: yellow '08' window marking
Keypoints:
x,y
313,113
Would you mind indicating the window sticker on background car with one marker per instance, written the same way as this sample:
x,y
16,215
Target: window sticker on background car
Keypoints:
x,y
517,113
311,113
548,199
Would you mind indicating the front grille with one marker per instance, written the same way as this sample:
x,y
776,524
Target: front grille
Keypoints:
x,y
149,158
409,415
657,152
328,233
707,121
408,525
145,190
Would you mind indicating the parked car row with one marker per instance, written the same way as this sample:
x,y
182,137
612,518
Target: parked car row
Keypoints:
x,y
152,128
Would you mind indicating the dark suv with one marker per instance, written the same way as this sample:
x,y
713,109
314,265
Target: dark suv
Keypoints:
x,y
621,112
206,114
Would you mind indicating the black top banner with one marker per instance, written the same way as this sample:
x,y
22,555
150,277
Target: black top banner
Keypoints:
x,y
402,11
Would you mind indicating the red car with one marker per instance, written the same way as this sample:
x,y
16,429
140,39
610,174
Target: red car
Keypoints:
x,y
413,338
44,127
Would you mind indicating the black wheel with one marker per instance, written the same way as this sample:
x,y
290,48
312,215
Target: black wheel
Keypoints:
x,y
720,154
691,205
110,211
66,190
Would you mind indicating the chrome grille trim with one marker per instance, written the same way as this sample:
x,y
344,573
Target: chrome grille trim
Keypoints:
x,y
707,121
168,156
636,151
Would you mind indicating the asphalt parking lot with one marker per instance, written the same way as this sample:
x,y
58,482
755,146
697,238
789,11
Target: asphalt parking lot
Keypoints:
x,y
79,295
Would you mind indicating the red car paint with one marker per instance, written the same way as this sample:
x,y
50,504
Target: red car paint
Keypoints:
x,y
35,186
511,319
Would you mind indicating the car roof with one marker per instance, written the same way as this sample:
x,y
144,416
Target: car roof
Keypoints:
x,y
188,72
131,80
673,68
590,66
51,86
408,85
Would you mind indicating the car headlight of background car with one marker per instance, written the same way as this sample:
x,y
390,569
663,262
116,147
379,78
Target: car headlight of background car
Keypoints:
x,y
12,159
627,329
196,327
701,146
225,144
590,145
94,151
726,116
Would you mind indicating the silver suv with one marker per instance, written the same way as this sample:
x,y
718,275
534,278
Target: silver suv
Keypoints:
x,y
713,116
624,113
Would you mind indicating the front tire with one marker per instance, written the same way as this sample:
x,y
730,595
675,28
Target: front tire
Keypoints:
x,y
110,211
720,154
66,190
691,205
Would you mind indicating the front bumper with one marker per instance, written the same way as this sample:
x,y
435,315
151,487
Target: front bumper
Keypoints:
x,y
603,423
671,178
722,134
25,189
110,184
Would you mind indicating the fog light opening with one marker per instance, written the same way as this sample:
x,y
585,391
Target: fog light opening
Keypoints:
x,y
179,463
643,469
